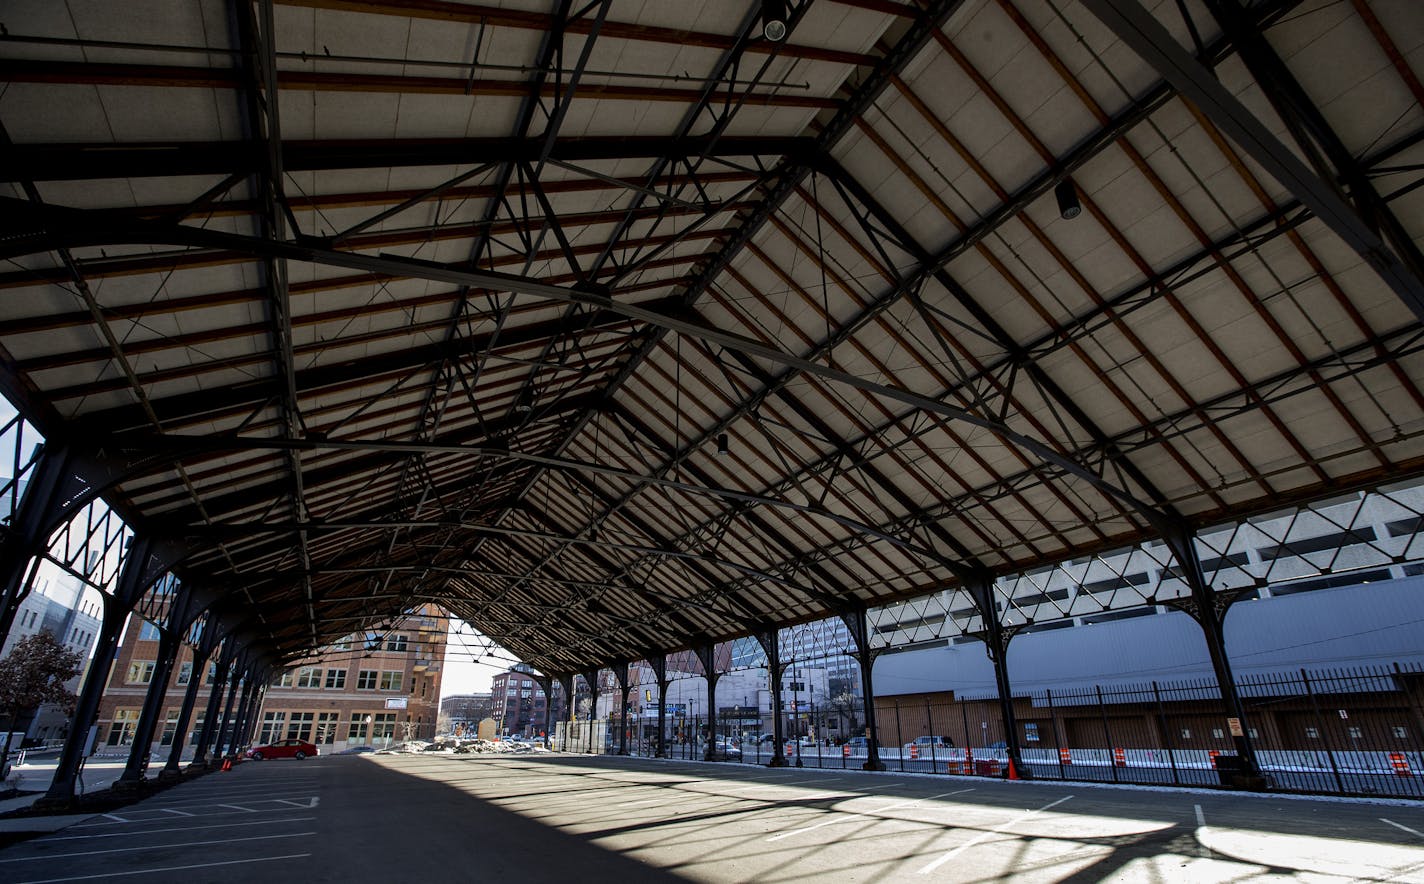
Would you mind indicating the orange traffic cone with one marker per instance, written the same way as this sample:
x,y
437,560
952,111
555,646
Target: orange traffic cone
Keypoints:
x,y
227,763
1013,771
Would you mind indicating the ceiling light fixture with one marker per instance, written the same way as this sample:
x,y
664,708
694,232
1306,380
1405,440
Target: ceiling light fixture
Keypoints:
x,y
525,402
722,450
1068,205
773,20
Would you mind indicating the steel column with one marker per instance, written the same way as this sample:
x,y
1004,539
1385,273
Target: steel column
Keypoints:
x,y
996,642
1208,609
770,641
207,737
620,672
857,621
185,712
152,707
658,662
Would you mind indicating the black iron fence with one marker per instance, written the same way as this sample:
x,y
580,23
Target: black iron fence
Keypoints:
x,y
1347,731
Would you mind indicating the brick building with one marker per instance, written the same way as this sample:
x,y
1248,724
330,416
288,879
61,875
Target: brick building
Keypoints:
x,y
462,712
369,689
518,702
373,689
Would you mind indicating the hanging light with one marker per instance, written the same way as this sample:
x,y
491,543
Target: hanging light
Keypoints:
x,y
722,450
1067,195
525,402
773,20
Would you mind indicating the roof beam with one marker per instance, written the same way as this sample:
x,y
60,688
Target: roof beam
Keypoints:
x,y
1137,28
79,162
46,228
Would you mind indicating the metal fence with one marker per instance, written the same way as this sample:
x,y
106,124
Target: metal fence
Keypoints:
x,y
1347,731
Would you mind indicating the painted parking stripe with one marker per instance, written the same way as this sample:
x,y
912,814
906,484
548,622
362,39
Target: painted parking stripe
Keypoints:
x,y
846,816
989,834
131,833
1202,832
49,856
231,862
1414,832
787,783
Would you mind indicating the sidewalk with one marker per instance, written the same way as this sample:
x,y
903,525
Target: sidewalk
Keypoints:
x,y
34,778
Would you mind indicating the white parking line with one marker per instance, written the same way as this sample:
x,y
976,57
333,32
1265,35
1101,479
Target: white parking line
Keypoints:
x,y
231,862
1201,832
177,812
48,856
788,783
116,818
846,816
131,833
994,831
1414,832
236,807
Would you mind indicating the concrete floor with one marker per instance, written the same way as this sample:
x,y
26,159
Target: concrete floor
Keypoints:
x,y
583,819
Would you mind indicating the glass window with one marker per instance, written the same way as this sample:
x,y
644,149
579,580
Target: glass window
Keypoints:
x,y
326,727
1399,732
343,645
185,673
1312,733
286,680
299,726
309,677
360,730
336,679
384,727
212,674
366,680
121,732
271,727
391,680
197,727
395,643
170,729
147,632
140,672
1355,733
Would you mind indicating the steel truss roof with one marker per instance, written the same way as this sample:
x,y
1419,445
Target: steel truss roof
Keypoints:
x,y
616,328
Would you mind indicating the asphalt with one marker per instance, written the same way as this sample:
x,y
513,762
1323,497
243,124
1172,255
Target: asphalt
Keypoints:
x,y
563,818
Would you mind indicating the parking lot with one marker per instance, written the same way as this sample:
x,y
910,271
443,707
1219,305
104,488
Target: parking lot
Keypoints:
x,y
548,817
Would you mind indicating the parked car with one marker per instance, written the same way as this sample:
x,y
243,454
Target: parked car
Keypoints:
x,y
858,744
298,749
357,750
925,744
726,750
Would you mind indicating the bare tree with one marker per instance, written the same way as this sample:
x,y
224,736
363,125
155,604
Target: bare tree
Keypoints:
x,y
32,674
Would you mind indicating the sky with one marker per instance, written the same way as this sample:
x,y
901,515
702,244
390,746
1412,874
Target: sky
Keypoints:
x,y
471,661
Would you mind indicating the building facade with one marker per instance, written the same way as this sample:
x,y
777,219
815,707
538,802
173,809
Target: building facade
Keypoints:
x,y
461,713
371,689
70,610
375,689
519,703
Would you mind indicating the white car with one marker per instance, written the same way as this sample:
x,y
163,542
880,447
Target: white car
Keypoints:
x,y
925,744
